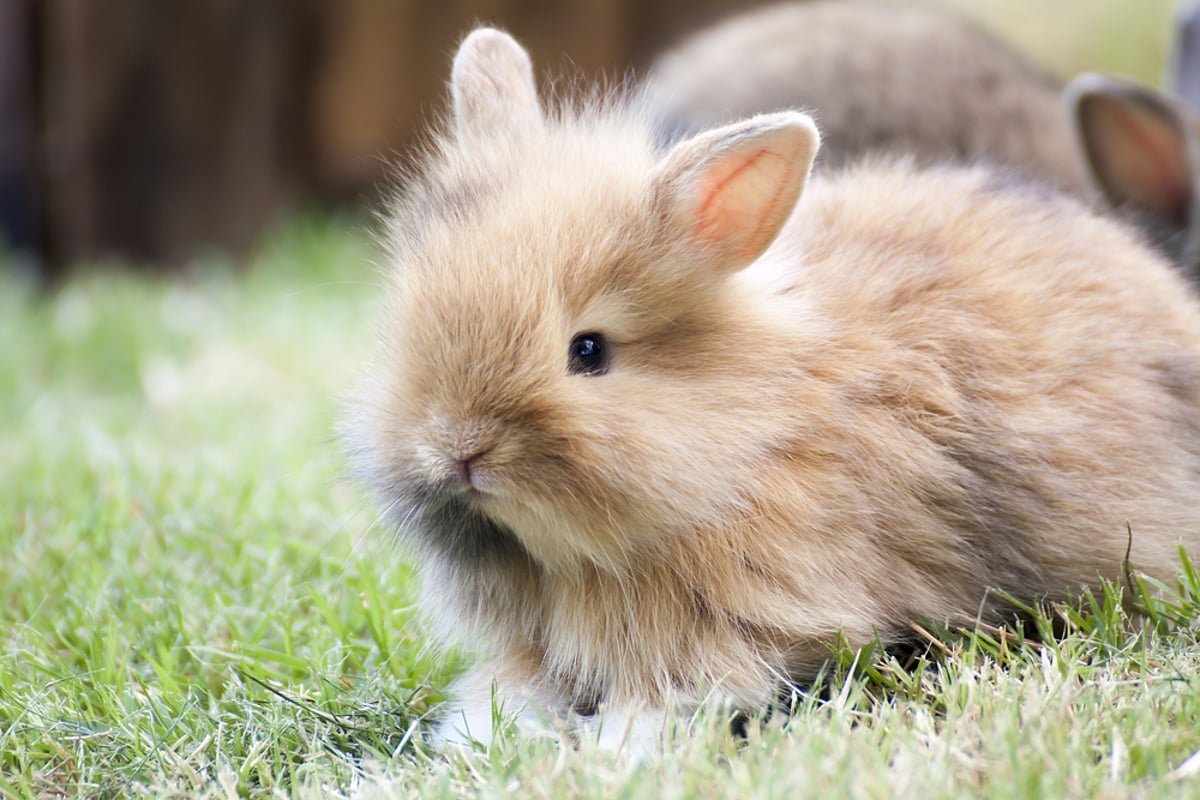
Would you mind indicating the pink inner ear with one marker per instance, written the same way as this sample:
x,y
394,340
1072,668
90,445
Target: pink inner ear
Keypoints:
x,y
741,200
1140,157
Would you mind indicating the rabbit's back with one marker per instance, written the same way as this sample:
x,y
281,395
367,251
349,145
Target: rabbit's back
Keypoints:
x,y
1047,357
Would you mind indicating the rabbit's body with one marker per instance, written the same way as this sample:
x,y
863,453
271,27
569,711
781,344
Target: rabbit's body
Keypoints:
x,y
878,78
929,385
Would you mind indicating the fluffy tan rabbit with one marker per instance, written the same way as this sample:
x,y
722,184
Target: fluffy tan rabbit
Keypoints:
x,y
877,78
661,426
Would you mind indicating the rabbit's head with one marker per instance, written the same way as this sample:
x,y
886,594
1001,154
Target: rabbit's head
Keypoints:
x,y
567,366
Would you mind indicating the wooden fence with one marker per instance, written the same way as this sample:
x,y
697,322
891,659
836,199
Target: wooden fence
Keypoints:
x,y
152,131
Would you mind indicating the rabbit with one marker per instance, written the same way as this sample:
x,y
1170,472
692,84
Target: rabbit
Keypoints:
x,y
666,425
876,77
1141,145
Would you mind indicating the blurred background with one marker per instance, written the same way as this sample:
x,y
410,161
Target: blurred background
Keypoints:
x,y
153,133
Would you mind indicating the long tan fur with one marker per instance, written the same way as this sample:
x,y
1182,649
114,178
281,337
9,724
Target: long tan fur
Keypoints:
x,y
933,384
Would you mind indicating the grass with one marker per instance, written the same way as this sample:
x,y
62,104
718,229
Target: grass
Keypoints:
x,y
194,603
177,541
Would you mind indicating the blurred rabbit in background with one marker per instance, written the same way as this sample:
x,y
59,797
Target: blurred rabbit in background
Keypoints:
x,y
920,81
877,78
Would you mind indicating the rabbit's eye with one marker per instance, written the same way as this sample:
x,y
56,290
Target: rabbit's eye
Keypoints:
x,y
589,354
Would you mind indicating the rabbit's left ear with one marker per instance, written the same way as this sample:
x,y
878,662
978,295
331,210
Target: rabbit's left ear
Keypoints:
x,y
492,85
732,188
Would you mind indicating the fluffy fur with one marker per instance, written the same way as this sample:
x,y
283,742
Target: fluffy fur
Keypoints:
x,y
931,385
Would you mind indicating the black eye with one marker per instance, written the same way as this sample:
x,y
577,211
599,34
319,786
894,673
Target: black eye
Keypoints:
x,y
589,354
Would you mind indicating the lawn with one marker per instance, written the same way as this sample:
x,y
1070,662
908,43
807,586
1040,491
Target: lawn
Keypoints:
x,y
177,539
194,602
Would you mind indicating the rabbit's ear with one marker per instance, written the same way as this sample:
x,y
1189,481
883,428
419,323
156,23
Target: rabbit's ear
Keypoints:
x,y
492,84
732,188
1136,145
1185,55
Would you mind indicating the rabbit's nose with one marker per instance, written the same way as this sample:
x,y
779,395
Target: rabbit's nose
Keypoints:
x,y
467,468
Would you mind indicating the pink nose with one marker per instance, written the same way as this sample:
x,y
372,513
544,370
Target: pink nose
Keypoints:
x,y
465,466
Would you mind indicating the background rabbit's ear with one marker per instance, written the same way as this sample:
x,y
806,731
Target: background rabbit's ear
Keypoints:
x,y
732,188
492,84
1136,145
1185,54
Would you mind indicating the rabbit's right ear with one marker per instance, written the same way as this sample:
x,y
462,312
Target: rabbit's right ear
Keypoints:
x,y
492,85
1137,146
732,188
